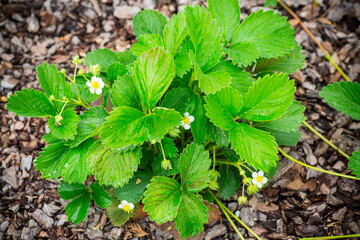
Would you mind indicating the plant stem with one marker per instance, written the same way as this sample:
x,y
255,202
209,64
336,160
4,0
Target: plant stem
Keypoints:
x,y
214,158
162,150
101,103
332,237
325,139
315,168
235,165
327,55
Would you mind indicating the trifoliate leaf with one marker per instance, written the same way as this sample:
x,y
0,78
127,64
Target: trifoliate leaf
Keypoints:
x,y
69,191
285,138
116,70
268,98
103,57
54,84
126,126
243,53
194,166
200,124
134,189
256,147
344,97
123,93
289,63
146,42
30,103
162,199
354,163
153,73
89,124
148,22
66,128
175,32
49,161
178,99
170,149
229,181
100,196
223,106
118,216
112,166
192,215
74,168
227,14
290,121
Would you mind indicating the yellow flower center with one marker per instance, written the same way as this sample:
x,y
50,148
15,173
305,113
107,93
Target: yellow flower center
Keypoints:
x,y
259,179
95,84
186,120
126,208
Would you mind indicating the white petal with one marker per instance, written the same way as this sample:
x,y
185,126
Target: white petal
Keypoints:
x,y
264,180
254,175
124,202
191,118
187,126
182,123
186,114
261,173
94,79
92,90
89,84
254,181
259,185
98,91
131,205
121,206
101,83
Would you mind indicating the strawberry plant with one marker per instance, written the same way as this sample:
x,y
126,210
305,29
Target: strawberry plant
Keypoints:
x,y
194,110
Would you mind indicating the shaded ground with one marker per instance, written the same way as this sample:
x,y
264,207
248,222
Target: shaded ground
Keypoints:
x,y
298,203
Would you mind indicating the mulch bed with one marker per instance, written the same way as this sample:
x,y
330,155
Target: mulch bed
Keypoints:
x,y
297,203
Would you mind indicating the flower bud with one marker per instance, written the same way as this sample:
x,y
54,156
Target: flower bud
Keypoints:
x,y
62,71
95,69
58,119
252,189
214,175
174,132
81,72
153,141
246,180
213,185
76,60
166,164
51,97
64,98
242,200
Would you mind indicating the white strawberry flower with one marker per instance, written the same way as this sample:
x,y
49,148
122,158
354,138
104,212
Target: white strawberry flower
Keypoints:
x,y
187,120
258,179
126,206
96,85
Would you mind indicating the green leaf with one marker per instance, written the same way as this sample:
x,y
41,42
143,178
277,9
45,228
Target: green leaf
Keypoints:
x,y
289,63
205,36
256,147
74,166
194,167
269,3
192,215
344,97
116,70
178,99
126,126
112,166
100,196
285,138
227,14
54,84
223,106
229,181
265,34
162,199
49,138
219,136
123,93
103,56
199,126
66,129
89,124
125,57
69,191
290,121
268,98
170,149
49,161
134,189
159,171
153,73
30,103
175,31
118,216
182,63
354,163
149,22
146,42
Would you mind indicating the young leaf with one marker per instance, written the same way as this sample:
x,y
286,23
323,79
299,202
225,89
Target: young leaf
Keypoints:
x,y
256,147
227,14
223,106
30,103
268,98
194,167
192,215
178,99
162,199
100,196
200,124
89,124
49,161
229,181
134,189
149,22
146,42
354,163
170,149
123,93
66,129
103,56
74,167
116,70
175,32
153,73
344,97
112,166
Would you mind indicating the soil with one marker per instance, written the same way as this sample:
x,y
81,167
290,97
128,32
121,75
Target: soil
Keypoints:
x,y
297,203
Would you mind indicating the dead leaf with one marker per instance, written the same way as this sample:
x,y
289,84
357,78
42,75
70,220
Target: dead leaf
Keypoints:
x,y
136,230
140,214
214,213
